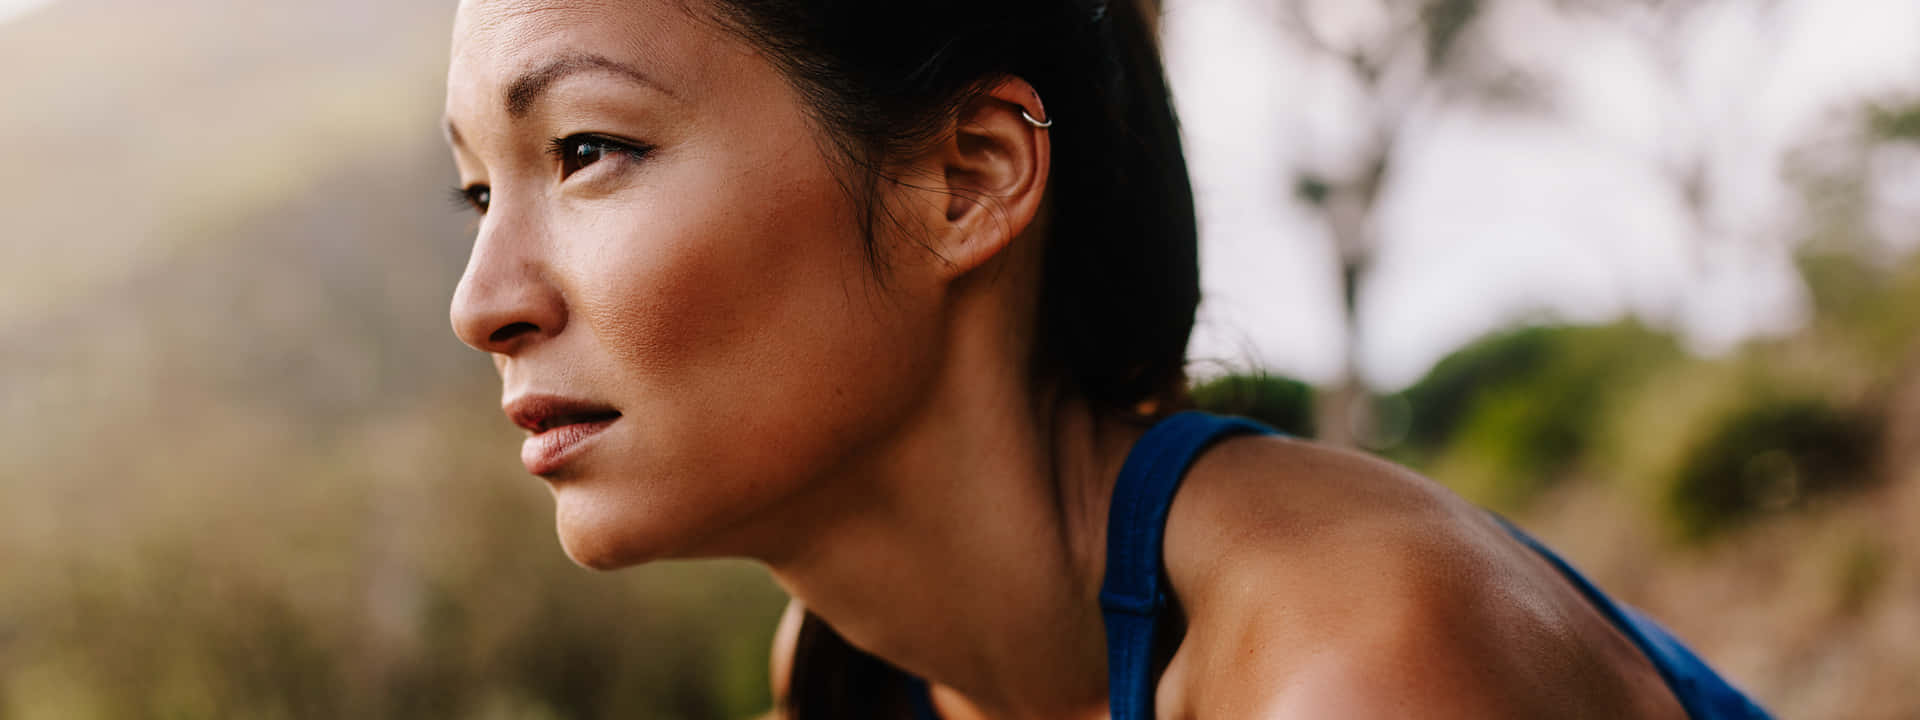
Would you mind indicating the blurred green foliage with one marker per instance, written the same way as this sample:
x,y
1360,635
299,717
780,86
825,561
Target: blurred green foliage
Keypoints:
x,y
1770,453
1895,121
1504,417
435,589
1282,403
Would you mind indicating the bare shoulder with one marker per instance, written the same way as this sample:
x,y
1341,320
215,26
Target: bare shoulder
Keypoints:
x,y
1321,582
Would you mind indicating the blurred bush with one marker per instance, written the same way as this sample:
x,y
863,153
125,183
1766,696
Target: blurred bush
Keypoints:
x,y
1770,453
1507,416
1282,403
431,588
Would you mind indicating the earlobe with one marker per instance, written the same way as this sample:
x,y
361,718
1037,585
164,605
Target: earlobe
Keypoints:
x,y
995,169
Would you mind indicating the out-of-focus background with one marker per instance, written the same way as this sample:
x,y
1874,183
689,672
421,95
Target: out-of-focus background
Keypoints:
x,y
1639,273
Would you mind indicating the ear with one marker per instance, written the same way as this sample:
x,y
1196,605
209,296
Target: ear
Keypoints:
x,y
993,168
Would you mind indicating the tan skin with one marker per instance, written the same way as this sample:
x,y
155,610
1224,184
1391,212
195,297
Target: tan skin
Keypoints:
x,y
688,260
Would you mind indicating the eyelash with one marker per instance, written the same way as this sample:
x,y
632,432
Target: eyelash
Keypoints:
x,y
471,197
565,150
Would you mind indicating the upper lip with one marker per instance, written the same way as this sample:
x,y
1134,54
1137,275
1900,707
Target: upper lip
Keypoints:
x,y
540,413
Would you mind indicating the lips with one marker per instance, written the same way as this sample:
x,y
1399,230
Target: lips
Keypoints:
x,y
558,428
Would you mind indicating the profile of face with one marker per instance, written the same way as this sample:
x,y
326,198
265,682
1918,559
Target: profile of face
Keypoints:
x,y
670,278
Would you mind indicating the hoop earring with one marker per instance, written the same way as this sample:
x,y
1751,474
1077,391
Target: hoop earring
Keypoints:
x,y
1033,122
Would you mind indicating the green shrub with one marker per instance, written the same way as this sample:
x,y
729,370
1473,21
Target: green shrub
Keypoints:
x,y
1769,453
1283,403
1508,416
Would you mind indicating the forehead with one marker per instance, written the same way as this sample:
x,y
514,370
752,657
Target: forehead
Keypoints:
x,y
495,41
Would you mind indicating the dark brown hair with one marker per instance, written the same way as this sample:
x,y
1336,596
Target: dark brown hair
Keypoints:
x,y
1120,280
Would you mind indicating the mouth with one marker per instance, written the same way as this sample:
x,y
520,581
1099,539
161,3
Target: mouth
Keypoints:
x,y
557,428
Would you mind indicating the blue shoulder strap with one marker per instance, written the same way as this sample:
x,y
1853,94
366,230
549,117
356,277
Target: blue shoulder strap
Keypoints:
x,y
920,696
1133,592
1700,690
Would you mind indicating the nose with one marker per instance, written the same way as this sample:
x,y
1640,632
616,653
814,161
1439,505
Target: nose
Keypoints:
x,y
506,299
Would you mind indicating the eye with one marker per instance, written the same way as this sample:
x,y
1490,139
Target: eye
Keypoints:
x,y
474,197
576,152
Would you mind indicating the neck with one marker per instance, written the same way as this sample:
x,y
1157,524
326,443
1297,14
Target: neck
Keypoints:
x,y
973,552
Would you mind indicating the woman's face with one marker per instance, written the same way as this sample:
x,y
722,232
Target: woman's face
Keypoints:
x,y
668,275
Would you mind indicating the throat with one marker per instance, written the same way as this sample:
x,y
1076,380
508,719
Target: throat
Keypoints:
x,y
992,627
977,571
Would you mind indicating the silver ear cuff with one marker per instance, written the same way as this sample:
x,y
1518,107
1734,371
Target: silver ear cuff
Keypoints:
x,y
1033,122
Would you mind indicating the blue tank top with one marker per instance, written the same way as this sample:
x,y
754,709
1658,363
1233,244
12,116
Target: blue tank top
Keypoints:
x,y
1134,593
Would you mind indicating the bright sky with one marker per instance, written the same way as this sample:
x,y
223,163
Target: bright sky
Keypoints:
x,y
11,8
1491,217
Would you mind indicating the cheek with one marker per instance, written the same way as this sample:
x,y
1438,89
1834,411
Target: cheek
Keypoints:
x,y
748,334
732,281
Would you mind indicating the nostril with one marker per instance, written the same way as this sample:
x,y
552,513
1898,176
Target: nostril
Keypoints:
x,y
511,331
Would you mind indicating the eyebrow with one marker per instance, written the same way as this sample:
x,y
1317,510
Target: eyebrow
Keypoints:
x,y
527,89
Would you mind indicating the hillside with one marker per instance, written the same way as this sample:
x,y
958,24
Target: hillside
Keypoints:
x,y
245,467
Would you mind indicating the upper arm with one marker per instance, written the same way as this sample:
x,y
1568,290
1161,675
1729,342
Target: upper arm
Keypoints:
x,y
1443,686
1308,577
1353,655
1363,649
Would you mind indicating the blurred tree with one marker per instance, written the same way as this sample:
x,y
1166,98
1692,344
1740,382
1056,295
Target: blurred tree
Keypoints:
x,y
1414,53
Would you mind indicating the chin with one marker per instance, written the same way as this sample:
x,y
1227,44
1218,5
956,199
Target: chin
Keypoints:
x,y
593,556
595,533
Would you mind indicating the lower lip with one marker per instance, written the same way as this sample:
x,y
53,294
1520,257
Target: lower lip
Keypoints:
x,y
547,452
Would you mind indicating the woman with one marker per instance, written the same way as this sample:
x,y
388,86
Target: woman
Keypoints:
x,y
894,297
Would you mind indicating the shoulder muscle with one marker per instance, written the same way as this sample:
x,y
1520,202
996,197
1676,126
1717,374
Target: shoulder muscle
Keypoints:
x,y
1316,580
